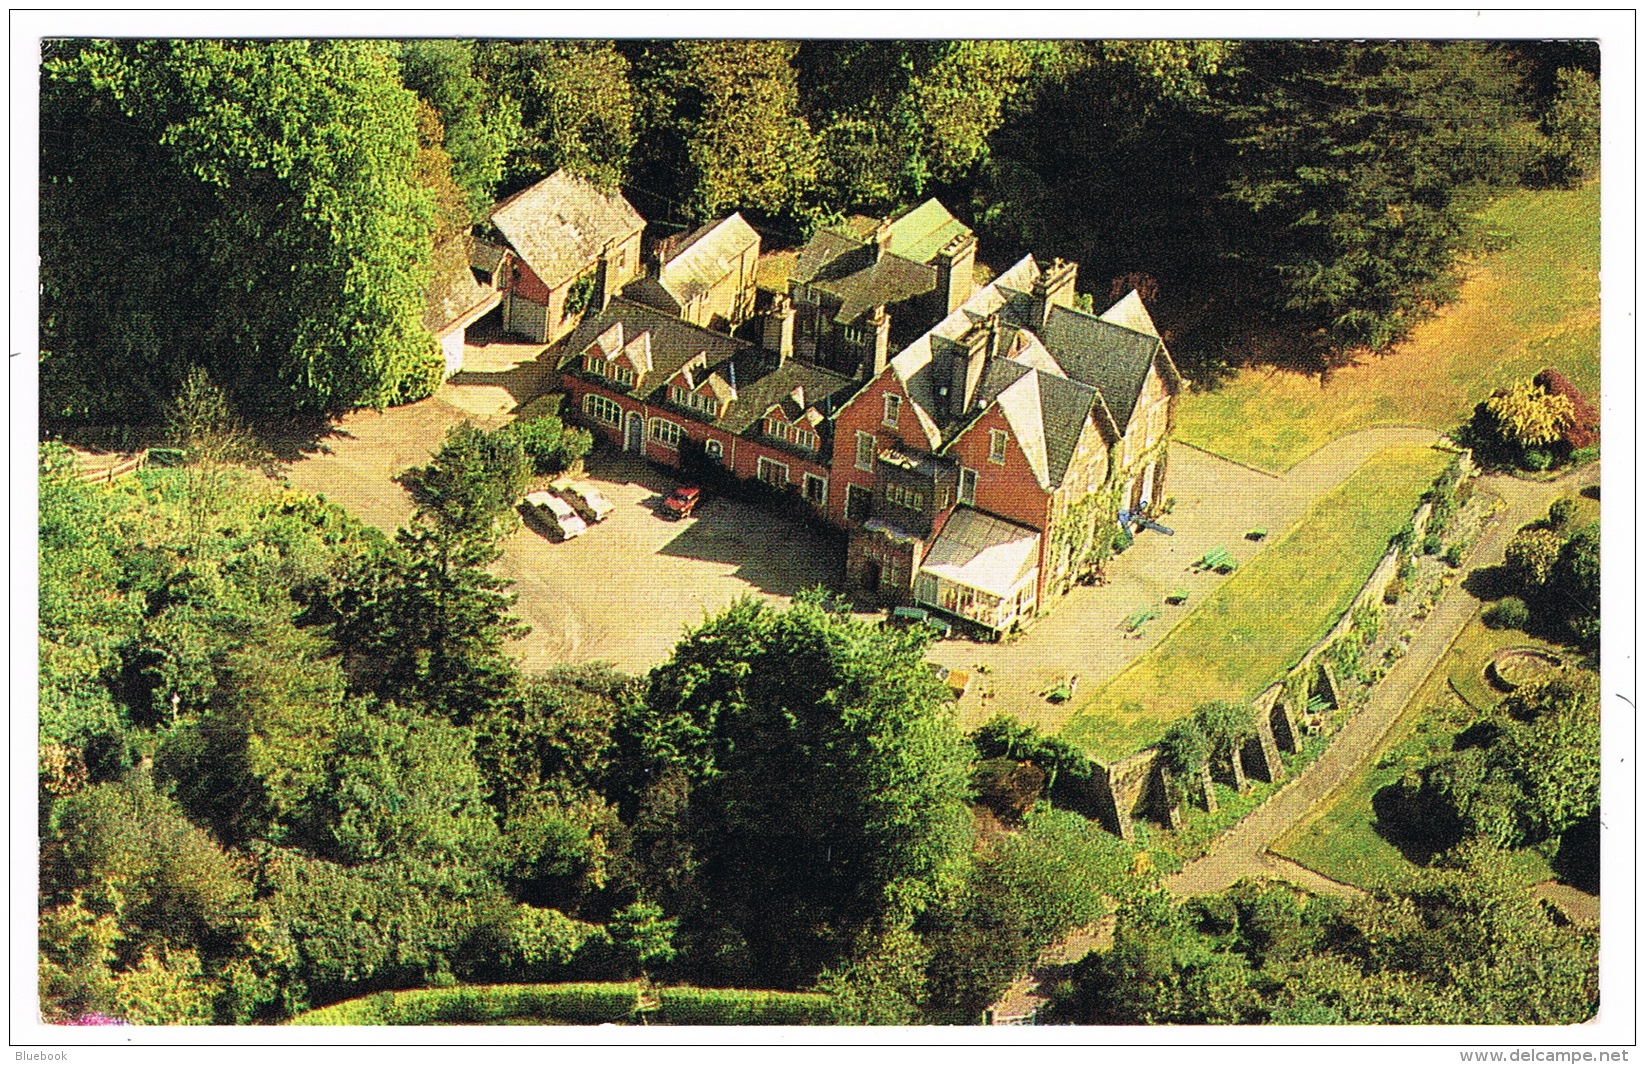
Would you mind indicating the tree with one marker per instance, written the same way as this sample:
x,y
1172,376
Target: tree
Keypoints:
x,y
554,738
472,483
1528,415
826,782
1355,173
1571,125
577,107
723,129
424,623
481,124
278,205
1583,430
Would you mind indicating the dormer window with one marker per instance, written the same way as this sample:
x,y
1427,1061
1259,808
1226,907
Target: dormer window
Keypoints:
x,y
793,434
893,411
623,375
694,401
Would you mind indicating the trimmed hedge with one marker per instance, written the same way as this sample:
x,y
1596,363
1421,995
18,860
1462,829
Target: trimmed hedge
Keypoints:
x,y
717,1006
573,1003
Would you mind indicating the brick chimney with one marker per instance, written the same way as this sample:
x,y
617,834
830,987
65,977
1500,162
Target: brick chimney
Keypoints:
x,y
956,278
779,328
874,359
1053,288
965,371
881,238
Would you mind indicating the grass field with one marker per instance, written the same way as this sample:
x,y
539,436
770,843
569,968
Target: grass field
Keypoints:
x,y
1263,618
1340,840
1533,305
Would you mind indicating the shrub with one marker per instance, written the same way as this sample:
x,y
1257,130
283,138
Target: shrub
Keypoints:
x,y
1432,543
1453,556
1533,553
551,444
1583,431
1394,591
1561,511
1510,613
1538,459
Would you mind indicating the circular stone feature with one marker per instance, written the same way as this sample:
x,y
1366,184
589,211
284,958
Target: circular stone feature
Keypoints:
x,y
1515,667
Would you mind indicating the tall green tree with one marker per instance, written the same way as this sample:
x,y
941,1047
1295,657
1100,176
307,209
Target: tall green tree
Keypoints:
x,y
1357,167
577,107
264,187
827,784
481,124
722,128
1571,125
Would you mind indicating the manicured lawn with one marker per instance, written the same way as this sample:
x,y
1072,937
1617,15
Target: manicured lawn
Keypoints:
x,y
1533,305
1340,840
1260,621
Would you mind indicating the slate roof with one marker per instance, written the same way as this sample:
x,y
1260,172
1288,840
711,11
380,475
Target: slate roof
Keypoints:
x,y
705,257
1111,357
560,225
843,261
673,342
454,293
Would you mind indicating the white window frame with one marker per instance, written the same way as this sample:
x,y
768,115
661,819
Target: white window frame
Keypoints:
x,y
714,450
594,400
764,464
892,411
622,375
873,448
970,497
666,433
996,446
821,501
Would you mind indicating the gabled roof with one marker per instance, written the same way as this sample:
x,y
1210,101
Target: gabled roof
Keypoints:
x,y
454,294
705,257
1129,313
844,263
560,225
747,380
1113,358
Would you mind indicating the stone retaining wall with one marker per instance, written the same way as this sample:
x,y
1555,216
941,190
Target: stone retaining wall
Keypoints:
x,y
1134,785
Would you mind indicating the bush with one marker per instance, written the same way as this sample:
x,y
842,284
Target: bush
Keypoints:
x,y
1432,543
576,1003
1395,590
1537,459
1453,556
551,444
1560,512
1510,613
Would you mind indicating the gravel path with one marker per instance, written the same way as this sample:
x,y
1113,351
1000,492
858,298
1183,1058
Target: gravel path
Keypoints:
x,y
1243,851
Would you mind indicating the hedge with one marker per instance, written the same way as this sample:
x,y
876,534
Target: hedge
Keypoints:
x,y
574,1003
716,1006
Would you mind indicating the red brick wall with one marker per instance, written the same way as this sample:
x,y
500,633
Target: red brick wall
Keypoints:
x,y
1009,491
865,413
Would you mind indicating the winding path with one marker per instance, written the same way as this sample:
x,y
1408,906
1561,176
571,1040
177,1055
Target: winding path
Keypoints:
x,y
1244,850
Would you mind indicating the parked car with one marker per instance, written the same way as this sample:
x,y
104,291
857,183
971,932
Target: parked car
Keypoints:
x,y
682,502
587,500
554,515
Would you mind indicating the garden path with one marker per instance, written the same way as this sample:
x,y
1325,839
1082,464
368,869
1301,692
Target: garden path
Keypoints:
x,y
1243,850
1082,635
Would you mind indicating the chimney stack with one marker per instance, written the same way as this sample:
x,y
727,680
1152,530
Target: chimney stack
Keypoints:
x,y
1053,288
966,370
875,358
779,328
882,237
956,273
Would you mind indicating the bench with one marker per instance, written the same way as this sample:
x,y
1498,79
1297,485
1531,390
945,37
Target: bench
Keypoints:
x,y
1216,559
1139,619
910,613
1258,533
1177,597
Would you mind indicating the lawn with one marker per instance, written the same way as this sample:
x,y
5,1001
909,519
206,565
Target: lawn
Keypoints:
x,y
1339,840
1533,305
1260,621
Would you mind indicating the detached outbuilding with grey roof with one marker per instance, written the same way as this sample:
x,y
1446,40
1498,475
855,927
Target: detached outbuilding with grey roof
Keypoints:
x,y
707,276
574,247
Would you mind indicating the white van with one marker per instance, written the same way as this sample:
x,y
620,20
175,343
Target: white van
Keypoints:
x,y
555,514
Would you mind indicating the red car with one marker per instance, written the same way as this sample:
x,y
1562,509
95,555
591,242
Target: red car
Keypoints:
x,y
682,502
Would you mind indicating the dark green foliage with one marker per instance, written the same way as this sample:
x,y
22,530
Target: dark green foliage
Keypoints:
x,y
1571,125
1185,748
577,108
1355,167
1008,788
566,1003
482,125
641,933
1068,770
554,735
1528,779
299,248
1507,613
425,623
824,784
1026,892
563,853
473,482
